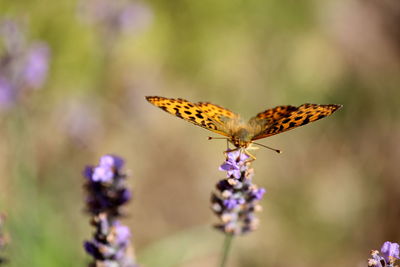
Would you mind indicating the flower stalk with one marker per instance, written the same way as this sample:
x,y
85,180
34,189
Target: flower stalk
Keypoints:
x,y
236,199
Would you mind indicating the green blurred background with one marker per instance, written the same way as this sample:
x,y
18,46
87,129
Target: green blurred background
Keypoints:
x,y
333,194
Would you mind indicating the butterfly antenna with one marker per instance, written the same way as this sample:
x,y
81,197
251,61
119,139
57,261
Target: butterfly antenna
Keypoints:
x,y
276,150
211,138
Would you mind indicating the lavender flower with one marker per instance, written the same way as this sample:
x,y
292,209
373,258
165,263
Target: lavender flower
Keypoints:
x,y
106,193
389,254
236,199
23,65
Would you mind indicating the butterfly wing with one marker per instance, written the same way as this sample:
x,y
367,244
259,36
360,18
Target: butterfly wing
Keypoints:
x,y
270,116
217,113
284,118
201,114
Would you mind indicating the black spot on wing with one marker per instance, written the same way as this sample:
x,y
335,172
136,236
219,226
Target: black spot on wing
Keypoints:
x,y
211,126
306,120
177,113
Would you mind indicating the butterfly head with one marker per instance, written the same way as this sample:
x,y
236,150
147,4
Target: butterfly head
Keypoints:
x,y
241,138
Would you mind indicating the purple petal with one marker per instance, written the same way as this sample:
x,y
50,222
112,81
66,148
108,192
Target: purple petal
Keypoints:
x,y
103,174
106,161
230,203
118,162
232,155
88,172
125,195
111,161
228,166
123,234
390,250
258,194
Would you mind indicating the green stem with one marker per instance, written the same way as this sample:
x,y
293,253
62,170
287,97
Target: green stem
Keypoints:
x,y
226,249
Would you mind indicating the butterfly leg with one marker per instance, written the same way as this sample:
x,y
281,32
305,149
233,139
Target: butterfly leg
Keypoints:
x,y
227,144
252,157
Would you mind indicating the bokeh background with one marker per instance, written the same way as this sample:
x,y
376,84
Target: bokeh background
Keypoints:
x,y
332,196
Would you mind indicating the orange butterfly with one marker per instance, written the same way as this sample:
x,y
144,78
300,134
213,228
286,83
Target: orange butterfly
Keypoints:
x,y
241,134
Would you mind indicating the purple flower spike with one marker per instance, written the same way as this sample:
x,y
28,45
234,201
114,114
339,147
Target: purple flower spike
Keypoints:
x,y
388,257
106,193
236,199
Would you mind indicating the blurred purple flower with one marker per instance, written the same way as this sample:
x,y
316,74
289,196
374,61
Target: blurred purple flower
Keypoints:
x,y
106,193
115,16
6,94
36,65
237,197
23,65
388,257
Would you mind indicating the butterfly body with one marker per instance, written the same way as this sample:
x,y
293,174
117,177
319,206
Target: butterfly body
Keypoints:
x,y
241,134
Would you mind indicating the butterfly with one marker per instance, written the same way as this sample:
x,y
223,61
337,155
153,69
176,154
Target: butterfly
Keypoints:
x,y
241,134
